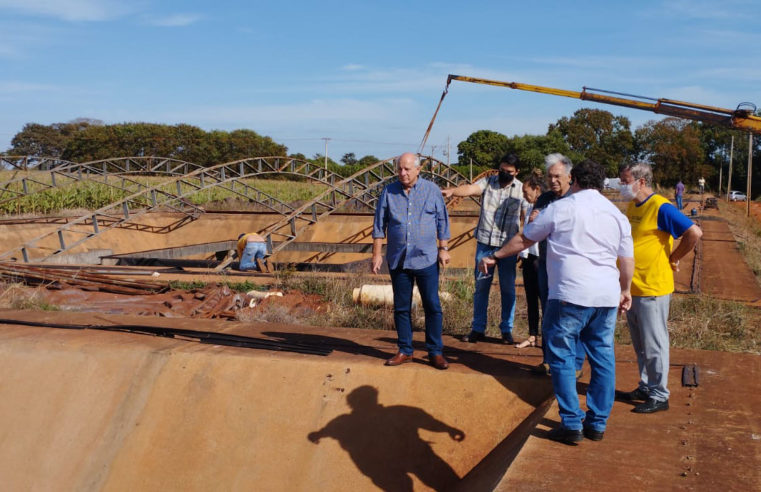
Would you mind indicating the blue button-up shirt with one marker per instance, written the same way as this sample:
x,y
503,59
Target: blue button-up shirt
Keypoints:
x,y
411,222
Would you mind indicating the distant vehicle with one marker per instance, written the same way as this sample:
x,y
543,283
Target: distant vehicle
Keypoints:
x,y
612,183
737,196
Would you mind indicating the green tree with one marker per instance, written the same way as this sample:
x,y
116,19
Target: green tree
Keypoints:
x,y
349,159
675,149
485,147
531,149
598,135
47,140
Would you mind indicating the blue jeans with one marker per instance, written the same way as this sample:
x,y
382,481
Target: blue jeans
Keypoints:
x,y
543,294
565,324
679,202
251,252
506,269
402,282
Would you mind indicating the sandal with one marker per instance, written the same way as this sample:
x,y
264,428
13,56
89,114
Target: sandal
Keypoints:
x,y
530,342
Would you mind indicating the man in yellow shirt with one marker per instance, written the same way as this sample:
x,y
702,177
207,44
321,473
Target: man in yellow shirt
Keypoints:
x,y
655,224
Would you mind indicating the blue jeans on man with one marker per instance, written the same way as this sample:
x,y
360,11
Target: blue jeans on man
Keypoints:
x,y
544,288
679,202
427,279
251,252
506,271
565,325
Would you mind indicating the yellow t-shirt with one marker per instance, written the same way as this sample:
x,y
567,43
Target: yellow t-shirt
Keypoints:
x,y
652,247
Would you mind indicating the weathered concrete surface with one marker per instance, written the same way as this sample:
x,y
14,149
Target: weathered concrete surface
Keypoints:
x,y
90,410
219,226
709,439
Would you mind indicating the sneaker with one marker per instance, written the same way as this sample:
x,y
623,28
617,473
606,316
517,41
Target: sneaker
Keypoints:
x,y
507,338
637,394
566,436
473,337
651,406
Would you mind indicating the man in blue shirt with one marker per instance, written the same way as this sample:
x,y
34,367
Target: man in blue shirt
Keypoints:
x,y
411,216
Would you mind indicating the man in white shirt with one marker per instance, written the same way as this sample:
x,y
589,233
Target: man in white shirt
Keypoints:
x,y
587,236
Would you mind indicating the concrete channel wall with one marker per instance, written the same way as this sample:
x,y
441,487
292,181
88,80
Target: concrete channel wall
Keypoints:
x,y
90,410
158,233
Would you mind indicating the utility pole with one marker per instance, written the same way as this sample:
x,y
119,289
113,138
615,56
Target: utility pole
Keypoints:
x,y
750,173
729,175
447,150
721,170
471,170
326,152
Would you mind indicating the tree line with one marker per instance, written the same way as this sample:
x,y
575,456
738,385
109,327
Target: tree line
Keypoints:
x,y
85,140
678,149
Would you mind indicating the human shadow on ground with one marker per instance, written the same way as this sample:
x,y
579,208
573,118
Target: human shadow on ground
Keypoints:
x,y
518,378
324,341
384,443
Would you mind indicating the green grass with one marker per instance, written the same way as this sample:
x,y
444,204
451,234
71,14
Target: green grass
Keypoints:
x,y
92,195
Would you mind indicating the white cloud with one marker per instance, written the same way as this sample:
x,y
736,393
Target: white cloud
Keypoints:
x,y
69,10
174,20
352,67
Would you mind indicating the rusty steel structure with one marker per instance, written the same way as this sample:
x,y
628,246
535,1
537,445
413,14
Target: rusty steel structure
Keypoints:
x,y
174,192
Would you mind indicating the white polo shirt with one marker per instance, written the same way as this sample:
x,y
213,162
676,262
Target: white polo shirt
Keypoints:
x,y
585,235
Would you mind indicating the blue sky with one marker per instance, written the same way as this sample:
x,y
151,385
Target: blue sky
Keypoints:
x,y
368,75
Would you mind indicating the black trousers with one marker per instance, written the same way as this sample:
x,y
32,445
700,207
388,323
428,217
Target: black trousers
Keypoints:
x,y
531,285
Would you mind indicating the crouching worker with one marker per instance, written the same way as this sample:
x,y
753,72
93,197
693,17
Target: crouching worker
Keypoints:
x,y
251,247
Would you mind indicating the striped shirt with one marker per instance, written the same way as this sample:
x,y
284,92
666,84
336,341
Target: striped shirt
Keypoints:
x,y
411,222
500,211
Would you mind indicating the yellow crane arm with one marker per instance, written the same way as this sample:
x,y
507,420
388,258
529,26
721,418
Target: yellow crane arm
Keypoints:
x,y
738,119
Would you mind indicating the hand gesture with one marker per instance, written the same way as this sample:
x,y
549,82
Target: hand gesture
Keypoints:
x,y
456,434
485,263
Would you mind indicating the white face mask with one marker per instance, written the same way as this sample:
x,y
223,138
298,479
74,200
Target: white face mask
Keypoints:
x,y
627,191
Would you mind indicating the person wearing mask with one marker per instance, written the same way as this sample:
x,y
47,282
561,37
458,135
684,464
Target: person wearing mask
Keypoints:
x,y
655,224
499,220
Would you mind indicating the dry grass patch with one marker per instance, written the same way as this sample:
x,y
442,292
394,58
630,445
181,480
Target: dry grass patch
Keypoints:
x,y
21,297
747,233
706,323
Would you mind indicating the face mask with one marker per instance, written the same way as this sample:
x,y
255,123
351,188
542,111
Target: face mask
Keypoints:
x,y
627,191
505,177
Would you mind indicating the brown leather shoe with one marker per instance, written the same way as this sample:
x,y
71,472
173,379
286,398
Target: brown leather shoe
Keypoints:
x,y
398,359
439,362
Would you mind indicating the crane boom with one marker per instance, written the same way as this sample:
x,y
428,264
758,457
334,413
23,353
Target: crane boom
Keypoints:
x,y
738,119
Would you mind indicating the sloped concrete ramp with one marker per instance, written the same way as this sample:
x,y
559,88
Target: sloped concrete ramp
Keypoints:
x,y
93,410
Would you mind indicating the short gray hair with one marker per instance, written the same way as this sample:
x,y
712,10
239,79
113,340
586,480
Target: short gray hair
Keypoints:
x,y
557,158
399,158
639,170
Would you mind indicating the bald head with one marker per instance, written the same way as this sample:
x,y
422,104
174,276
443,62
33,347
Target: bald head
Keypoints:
x,y
408,158
407,169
